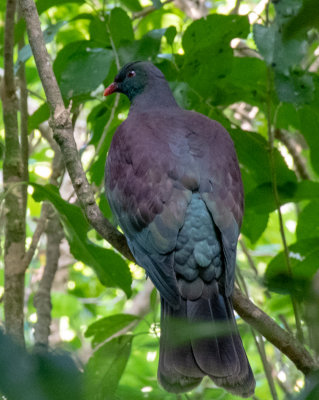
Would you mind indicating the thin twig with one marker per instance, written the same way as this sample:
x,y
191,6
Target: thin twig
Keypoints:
x,y
148,10
23,124
63,132
42,298
248,256
41,225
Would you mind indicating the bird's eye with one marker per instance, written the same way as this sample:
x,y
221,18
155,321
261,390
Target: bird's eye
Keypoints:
x,y
130,74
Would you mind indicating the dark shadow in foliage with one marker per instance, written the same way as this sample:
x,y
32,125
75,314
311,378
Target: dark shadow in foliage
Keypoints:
x,y
37,376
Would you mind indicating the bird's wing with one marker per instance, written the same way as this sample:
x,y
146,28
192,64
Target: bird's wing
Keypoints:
x,y
149,202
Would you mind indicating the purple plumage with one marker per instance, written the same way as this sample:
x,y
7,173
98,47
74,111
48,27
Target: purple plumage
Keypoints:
x,y
173,182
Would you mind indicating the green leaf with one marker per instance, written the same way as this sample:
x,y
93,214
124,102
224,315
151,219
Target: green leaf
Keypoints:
x,y
111,269
106,327
297,87
43,5
170,34
307,17
105,368
261,199
255,164
304,256
120,26
308,221
146,48
309,124
25,53
208,55
40,115
132,5
277,53
214,30
254,224
98,32
95,64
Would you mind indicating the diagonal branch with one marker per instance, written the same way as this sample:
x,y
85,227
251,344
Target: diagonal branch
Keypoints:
x,y
284,341
63,131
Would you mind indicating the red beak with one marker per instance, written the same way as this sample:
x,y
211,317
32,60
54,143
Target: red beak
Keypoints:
x,y
111,89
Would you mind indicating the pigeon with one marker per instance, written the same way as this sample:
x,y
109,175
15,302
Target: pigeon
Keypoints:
x,y
173,183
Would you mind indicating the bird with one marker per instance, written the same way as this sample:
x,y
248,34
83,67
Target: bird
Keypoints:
x,y
173,182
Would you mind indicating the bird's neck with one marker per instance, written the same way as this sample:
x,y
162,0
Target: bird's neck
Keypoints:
x,y
156,95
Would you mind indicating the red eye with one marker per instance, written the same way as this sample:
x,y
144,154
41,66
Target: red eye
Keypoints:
x,y
130,74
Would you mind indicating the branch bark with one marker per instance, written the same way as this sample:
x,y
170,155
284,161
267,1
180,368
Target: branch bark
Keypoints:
x,y
42,299
13,176
280,338
63,134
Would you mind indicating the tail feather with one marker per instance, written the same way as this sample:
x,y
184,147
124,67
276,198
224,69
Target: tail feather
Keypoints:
x,y
221,357
177,370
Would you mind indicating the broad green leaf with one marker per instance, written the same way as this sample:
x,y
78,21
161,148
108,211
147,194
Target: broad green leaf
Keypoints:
x,y
111,269
170,34
309,124
25,53
304,264
120,26
40,115
245,82
105,368
146,48
297,87
213,31
307,17
132,5
261,199
95,64
254,224
208,55
255,164
43,5
287,117
277,53
308,221
98,32
106,327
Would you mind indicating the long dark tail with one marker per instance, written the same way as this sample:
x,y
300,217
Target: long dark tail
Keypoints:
x,y
186,358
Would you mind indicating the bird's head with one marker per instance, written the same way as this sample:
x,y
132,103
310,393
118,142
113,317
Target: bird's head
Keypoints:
x,y
134,78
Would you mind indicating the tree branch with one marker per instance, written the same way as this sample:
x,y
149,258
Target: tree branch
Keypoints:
x,y
15,198
42,298
63,132
41,226
283,340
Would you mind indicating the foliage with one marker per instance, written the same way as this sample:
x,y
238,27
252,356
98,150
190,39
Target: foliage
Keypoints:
x,y
258,77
